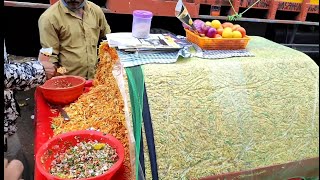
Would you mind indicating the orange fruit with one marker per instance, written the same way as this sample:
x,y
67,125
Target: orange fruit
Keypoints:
x,y
217,36
227,24
242,31
235,27
219,31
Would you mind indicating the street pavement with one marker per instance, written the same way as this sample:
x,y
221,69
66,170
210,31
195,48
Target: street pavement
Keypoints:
x,y
25,122
26,125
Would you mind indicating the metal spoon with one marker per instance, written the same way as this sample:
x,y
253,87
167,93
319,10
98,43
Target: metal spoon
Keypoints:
x,y
63,113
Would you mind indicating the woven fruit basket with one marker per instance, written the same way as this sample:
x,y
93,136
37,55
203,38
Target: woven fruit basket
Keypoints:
x,y
217,43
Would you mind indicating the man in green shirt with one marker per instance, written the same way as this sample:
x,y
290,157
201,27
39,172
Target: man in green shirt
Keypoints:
x,y
73,29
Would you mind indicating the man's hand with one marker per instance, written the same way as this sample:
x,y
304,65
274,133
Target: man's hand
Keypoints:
x,y
12,170
49,68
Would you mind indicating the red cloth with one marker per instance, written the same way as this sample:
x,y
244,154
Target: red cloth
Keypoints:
x,y
43,131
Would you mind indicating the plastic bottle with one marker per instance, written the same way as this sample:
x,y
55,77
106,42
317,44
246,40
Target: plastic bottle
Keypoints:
x,y
141,23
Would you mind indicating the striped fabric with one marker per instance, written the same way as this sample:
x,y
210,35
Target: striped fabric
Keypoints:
x,y
129,59
221,54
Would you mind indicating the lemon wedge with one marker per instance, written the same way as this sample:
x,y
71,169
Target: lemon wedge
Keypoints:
x,y
98,146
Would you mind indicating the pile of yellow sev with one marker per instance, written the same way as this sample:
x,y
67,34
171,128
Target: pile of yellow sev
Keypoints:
x,y
102,108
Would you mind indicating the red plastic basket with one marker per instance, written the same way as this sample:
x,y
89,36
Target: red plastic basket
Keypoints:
x,y
61,143
63,96
217,43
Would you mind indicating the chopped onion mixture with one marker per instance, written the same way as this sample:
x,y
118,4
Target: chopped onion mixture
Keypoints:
x,y
86,159
62,83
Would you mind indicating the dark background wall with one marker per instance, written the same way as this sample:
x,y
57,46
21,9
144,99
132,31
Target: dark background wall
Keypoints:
x,y
20,28
21,33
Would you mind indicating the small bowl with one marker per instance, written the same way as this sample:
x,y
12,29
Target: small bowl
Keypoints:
x,y
56,94
61,143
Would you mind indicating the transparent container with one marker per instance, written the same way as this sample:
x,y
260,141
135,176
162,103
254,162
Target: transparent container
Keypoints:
x,y
141,23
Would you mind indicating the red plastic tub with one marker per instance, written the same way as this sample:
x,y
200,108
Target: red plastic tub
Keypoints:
x,y
60,143
57,95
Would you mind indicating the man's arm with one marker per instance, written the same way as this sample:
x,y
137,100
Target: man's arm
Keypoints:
x,y
104,26
49,38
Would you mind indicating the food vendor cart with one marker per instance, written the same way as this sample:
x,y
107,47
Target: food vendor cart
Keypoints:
x,y
245,117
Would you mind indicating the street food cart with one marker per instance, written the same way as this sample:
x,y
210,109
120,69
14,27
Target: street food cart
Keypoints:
x,y
240,117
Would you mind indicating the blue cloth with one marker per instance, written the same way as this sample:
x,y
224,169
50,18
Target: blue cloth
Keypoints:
x,y
149,136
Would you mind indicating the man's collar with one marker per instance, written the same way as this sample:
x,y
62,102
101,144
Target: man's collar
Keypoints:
x,y
66,10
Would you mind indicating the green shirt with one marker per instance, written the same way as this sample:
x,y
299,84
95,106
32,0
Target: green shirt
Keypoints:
x,y
74,40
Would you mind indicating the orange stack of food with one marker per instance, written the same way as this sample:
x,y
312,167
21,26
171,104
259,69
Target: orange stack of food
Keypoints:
x,y
102,108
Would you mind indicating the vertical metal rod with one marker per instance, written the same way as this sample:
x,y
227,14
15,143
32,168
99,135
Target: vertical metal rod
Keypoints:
x,y
294,31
